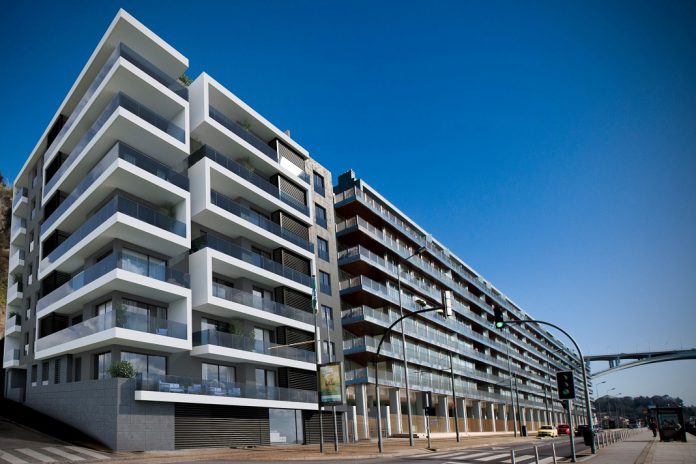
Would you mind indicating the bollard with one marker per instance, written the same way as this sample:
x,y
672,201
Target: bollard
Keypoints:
x,y
553,448
512,456
536,454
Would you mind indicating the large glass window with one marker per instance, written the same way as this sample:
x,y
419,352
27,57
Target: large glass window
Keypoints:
x,y
321,215
220,373
265,378
102,362
319,184
323,249
286,426
143,264
327,316
324,283
146,364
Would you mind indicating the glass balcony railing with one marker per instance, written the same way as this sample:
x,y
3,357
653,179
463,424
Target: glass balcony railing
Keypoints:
x,y
237,296
218,388
119,318
120,100
240,342
255,218
18,224
246,135
236,251
119,151
118,204
11,355
250,176
124,51
117,260
20,194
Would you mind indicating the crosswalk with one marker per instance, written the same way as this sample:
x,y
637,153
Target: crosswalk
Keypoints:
x,y
51,454
497,456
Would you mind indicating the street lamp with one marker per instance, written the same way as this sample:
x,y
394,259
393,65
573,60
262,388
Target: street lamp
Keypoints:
x,y
403,341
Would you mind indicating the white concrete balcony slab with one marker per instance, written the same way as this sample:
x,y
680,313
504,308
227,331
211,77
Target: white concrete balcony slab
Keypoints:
x,y
10,358
16,263
18,233
14,293
13,326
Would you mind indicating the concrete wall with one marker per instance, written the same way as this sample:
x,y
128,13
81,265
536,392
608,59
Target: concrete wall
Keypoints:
x,y
106,410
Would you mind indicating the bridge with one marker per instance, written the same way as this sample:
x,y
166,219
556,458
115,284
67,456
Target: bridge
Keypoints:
x,y
638,359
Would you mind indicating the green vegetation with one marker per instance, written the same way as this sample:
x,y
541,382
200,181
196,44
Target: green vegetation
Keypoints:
x,y
5,221
184,79
632,408
122,369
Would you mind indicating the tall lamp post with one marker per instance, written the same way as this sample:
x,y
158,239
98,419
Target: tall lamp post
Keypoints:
x,y
403,341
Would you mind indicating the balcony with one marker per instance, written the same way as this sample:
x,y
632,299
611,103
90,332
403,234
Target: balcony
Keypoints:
x,y
150,387
239,348
129,263
16,263
119,327
120,51
14,293
121,100
130,208
265,310
20,203
10,359
120,151
247,256
13,325
256,219
248,175
19,231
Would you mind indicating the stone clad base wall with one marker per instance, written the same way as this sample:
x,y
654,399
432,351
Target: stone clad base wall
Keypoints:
x,y
106,410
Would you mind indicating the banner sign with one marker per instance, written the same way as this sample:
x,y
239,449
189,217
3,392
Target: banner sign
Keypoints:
x,y
330,384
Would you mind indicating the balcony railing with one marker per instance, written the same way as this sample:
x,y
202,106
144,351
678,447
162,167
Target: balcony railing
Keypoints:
x,y
197,386
117,260
124,205
250,176
264,304
236,251
20,194
240,342
119,318
119,151
244,134
11,355
124,51
18,224
120,100
255,218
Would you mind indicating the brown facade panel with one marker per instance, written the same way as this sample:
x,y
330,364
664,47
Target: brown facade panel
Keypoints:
x,y
287,222
291,155
291,260
291,297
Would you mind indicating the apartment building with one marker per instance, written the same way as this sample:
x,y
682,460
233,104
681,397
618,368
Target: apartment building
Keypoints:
x,y
172,227
499,377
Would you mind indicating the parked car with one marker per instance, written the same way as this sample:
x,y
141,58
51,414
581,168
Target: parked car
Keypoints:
x,y
580,430
547,431
563,429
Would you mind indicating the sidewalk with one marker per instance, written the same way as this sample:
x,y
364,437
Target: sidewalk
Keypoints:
x,y
642,448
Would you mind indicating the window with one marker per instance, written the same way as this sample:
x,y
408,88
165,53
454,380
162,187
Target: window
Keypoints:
x,y
213,325
143,264
103,308
146,364
328,351
263,336
323,249
102,362
320,215
327,316
261,252
324,283
34,374
319,184
265,378
77,369
44,373
219,373
222,288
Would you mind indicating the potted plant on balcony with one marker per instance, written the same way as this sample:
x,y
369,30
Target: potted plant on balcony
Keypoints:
x,y
122,370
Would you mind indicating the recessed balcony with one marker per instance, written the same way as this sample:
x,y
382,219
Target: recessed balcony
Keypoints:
x,y
229,347
20,202
120,217
14,293
18,233
119,271
13,325
16,263
178,389
11,358
116,327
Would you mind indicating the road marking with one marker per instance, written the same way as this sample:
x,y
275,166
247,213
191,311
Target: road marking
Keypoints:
x,y
475,455
72,457
12,458
36,455
495,456
88,452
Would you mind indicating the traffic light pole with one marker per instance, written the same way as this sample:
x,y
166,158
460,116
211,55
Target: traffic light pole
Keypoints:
x,y
582,366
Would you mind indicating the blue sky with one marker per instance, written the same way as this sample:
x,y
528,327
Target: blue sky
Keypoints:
x,y
551,145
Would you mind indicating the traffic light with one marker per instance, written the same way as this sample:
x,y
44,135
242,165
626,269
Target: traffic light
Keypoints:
x,y
566,385
499,319
447,302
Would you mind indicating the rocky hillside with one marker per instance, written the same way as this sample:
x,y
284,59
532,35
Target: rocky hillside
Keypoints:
x,y
5,218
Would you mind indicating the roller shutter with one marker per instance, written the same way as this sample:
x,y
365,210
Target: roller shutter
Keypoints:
x,y
207,425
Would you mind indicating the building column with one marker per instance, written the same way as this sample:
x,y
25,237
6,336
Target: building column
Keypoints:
x,y
490,414
461,412
443,411
523,419
502,408
476,405
361,404
395,406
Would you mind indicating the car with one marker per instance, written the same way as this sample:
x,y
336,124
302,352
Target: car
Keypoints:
x,y
563,429
580,430
547,431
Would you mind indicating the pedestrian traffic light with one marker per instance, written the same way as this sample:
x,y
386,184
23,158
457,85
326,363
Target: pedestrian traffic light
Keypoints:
x,y
566,385
447,302
498,316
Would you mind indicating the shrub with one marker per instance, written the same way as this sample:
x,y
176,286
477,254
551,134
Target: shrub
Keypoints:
x,y
122,369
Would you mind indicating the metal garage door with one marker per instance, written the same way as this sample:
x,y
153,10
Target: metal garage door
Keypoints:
x,y
205,425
